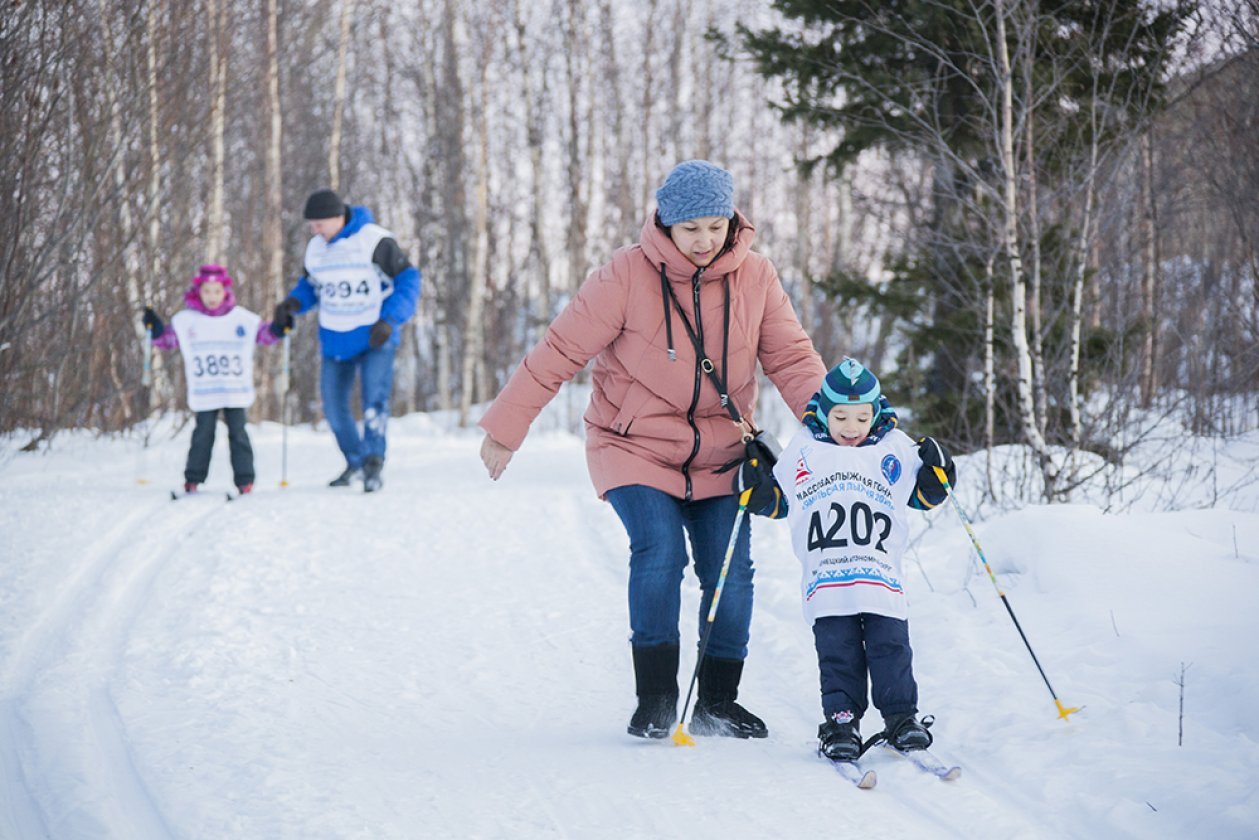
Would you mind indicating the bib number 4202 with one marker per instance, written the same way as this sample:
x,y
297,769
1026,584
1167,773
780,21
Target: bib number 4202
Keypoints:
x,y
861,524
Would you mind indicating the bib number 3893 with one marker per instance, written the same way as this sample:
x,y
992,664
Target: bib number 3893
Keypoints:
x,y
218,365
857,525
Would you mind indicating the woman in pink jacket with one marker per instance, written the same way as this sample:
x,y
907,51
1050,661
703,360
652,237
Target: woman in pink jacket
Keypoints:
x,y
658,432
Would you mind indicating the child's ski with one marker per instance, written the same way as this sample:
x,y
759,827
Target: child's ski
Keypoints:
x,y
929,763
864,779
176,495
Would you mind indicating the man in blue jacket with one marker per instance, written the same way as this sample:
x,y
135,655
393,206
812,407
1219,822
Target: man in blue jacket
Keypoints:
x,y
366,289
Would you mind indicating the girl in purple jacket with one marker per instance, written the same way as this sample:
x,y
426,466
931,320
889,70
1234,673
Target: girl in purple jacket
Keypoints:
x,y
216,338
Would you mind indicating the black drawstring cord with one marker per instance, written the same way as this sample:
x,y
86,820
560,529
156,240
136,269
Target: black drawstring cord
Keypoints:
x,y
725,342
668,319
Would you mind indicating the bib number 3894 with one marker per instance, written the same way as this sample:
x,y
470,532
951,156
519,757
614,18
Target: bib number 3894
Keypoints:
x,y
857,525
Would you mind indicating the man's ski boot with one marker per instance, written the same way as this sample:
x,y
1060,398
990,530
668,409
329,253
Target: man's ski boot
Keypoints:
x,y
191,487
906,733
344,479
840,738
372,480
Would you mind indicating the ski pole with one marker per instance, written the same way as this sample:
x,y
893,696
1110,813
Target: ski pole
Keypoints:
x,y
284,413
680,735
146,382
1063,711
146,378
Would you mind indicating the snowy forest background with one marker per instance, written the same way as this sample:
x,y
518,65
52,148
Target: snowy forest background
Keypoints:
x,y
1037,221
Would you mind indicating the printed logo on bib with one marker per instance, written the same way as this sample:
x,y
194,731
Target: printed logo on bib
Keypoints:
x,y
803,473
891,467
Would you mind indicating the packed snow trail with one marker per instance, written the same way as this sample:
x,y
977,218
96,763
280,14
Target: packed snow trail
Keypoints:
x,y
58,707
449,657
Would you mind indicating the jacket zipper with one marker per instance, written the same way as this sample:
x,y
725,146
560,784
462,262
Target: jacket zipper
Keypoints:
x,y
699,379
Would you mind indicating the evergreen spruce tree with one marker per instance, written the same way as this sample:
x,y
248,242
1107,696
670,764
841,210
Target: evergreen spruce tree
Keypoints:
x,y
918,79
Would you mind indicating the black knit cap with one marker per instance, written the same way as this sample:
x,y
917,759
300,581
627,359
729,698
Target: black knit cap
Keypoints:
x,y
324,204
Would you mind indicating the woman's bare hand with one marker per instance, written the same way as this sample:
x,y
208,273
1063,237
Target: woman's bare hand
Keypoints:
x,y
495,457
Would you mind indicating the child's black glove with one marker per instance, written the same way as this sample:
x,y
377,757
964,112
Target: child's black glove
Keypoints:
x,y
282,320
757,474
381,330
152,323
933,454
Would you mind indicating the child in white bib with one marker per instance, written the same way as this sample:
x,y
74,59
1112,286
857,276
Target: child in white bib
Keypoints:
x,y
849,477
217,339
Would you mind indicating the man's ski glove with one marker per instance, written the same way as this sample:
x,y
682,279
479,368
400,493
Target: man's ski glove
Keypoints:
x,y
381,330
152,323
282,320
930,491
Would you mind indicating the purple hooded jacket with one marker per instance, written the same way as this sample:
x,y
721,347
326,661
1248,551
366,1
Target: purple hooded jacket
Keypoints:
x,y
192,300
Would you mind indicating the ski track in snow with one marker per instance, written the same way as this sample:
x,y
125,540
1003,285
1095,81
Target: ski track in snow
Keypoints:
x,y
450,658
85,630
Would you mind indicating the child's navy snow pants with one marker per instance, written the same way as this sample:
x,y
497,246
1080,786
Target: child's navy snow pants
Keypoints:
x,y
851,646
198,466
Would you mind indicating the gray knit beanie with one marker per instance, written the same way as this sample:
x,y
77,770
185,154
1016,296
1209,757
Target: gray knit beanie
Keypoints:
x,y
693,189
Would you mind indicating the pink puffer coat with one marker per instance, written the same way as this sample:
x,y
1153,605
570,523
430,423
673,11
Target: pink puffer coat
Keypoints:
x,y
637,426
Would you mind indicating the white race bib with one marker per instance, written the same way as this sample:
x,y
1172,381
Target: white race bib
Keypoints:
x,y
848,519
218,357
350,286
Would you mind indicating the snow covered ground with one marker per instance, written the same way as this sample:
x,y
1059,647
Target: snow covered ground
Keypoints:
x,y
449,658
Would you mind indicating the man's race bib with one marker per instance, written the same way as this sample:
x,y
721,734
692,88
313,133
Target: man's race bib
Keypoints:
x,y
218,357
350,286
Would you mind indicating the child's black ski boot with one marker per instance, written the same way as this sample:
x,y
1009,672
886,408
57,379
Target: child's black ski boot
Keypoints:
x,y
905,732
840,738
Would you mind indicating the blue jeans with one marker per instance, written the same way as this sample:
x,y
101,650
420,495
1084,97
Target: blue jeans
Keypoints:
x,y
850,647
336,379
658,525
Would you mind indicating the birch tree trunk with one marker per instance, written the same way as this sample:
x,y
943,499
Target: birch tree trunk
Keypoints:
x,y
158,382
1084,245
1010,238
448,102
1149,276
117,162
338,97
618,153
578,176
272,228
474,326
273,236
647,144
534,129
990,371
1034,294
216,221
804,224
